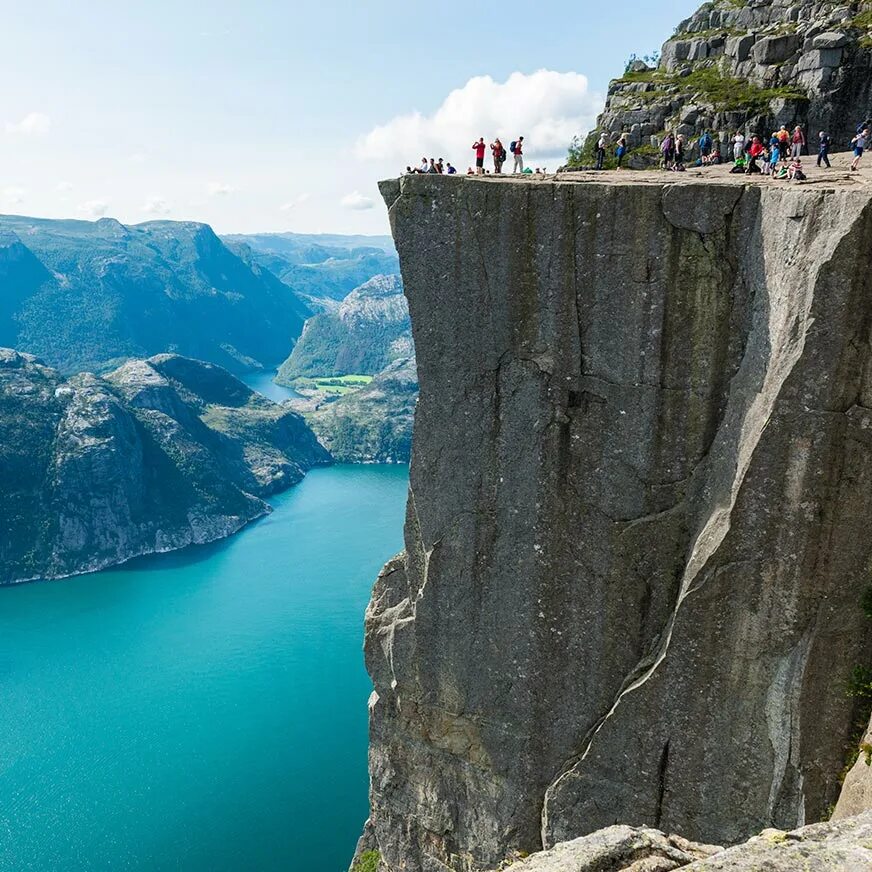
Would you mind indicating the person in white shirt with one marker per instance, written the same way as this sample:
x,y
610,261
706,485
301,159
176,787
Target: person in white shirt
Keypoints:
x,y
601,150
738,145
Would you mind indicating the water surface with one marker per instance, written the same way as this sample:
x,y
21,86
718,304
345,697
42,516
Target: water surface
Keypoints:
x,y
204,710
263,383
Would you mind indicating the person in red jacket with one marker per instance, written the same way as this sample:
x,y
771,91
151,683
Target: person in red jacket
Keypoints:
x,y
479,148
797,142
754,152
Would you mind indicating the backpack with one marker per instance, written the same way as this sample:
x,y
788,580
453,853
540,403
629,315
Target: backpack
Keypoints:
x,y
705,141
502,154
512,146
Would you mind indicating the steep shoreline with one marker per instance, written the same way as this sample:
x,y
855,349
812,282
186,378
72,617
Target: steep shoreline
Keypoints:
x,y
634,546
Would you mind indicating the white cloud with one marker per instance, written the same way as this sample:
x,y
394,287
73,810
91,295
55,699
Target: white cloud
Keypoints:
x,y
13,195
64,187
547,108
33,124
219,189
93,209
156,206
294,202
356,200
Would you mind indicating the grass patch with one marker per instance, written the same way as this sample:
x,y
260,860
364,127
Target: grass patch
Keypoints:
x,y
368,861
334,385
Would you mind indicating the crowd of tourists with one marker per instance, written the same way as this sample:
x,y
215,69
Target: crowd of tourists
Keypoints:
x,y
499,156
779,155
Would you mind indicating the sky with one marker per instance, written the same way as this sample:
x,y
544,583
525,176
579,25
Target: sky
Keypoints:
x,y
277,116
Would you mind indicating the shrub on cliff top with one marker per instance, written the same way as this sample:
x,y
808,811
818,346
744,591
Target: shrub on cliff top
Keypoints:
x,y
367,862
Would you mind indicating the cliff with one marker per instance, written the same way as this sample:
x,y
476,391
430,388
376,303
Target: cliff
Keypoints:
x,y
750,65
635,539
155,456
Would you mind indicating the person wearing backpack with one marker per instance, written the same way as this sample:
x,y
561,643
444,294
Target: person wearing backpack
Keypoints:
x,y
499,155
517,149
705,145
858,143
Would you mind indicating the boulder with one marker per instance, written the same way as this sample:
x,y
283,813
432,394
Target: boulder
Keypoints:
x,y
775,49
830,39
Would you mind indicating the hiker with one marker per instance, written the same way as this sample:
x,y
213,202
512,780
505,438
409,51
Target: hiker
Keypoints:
x,y
433,168
449,170
601,145
440,166
716,150
772,163
823,149
679,153
738,145
470,171
479,149
754,152
425,167
499,155
858,143
667,149
705,146
517,149
797,142
783,143
622,149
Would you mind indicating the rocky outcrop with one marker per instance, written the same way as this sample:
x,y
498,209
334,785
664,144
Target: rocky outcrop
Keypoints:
x,y
750,66
856,795
367,332
844,846
618,849
157,455
635,540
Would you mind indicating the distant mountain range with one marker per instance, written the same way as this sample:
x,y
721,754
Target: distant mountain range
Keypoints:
x,y
321,268
87,295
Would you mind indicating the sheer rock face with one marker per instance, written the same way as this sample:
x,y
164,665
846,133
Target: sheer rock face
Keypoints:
x,y
636,534
157,455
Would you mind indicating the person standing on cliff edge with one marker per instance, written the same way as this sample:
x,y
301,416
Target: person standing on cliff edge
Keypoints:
x,y
602,142
517,149
479,148
823,149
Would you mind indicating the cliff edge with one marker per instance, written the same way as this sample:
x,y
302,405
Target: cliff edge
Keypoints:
x,y
635,539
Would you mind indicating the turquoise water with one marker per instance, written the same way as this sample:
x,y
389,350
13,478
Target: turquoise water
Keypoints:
x,y
204,710
263,383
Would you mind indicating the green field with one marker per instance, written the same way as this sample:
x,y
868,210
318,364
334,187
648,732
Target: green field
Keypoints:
x,y
335,385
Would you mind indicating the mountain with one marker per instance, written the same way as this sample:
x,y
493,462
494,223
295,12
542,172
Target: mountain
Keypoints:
x,y
321,268
87,295
373,424
635,582
367,331
749,66
154,456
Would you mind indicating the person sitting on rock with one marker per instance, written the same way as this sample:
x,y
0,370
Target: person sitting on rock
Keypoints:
x,y
738,145
449,170
797,141
858,143
716,150
754,153
823,149
794,171
425,167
